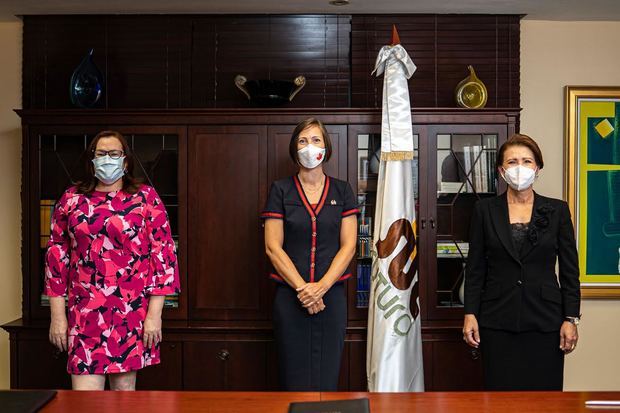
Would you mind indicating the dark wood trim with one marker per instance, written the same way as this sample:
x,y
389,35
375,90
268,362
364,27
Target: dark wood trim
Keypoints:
x,y
25,221
257,116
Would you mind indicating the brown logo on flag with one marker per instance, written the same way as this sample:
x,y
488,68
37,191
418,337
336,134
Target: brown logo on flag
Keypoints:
x,y
400,279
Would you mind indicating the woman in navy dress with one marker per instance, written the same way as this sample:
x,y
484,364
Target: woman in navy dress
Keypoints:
x,y
310,238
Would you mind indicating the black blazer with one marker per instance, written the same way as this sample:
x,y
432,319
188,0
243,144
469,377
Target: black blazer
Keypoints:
x,y
518,290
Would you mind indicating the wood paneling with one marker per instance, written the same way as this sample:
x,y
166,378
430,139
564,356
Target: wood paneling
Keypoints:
x,y
441,46
271,47
226,365
186,61
159,61
227,159
148,61
280,164
168,375
228,167
41,366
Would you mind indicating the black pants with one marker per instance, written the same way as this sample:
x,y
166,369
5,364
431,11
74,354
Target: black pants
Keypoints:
x,y
309,346
525,361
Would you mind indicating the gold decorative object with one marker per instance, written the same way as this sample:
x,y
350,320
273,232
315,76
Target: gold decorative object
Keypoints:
x,y
471,92
267,92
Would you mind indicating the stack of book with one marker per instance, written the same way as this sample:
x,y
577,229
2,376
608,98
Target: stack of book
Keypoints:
x,y
452,249
365,226
363,284
364,246
479,162
46,210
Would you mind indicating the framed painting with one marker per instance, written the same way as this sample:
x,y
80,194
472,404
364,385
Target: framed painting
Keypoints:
x,y
592,184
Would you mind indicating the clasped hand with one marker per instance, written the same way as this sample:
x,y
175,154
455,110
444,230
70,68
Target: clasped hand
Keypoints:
x,y
310,296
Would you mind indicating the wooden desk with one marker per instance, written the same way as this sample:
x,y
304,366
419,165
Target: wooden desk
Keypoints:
x,y
242,402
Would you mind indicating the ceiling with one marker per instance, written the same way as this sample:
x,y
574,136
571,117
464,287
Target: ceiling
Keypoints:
x,y
534,9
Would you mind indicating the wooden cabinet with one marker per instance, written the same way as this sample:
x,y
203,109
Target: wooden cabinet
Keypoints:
x,y
227,190
168,375
213,169
453,168
243,365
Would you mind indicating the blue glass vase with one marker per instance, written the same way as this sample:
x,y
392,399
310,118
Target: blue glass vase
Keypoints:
x,y
86,83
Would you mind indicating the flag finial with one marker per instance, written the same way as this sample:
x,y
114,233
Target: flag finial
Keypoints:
x,y
395,38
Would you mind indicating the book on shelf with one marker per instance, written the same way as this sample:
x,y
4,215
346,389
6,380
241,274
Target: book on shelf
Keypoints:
x,y
484,170
363,284
46,211
414,180
468,164
365,226
451,248
492,176
364,246
477,170
450,187
479,163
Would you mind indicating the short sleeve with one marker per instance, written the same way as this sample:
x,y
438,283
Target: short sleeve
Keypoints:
x,y
163,278
274,208
350,202
58,254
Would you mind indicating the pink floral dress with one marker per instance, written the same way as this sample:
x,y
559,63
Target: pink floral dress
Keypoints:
x,y
110,252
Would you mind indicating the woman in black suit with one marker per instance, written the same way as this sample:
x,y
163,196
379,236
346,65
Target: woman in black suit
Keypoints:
x,y
517,310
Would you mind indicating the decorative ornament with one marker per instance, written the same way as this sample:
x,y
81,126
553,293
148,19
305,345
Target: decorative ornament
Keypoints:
x,y
471,92
86,84
269,92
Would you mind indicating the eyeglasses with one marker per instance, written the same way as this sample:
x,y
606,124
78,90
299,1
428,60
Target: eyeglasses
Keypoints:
x,y
114,154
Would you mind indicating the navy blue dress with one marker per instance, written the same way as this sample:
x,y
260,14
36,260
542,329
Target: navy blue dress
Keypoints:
x,y
310,346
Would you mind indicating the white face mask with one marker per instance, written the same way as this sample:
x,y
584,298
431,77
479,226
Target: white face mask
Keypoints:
x,y
109,170
311,156
519,177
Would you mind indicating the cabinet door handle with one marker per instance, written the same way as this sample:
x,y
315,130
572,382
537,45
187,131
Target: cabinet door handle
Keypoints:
x,y
223,354
432,221
422,223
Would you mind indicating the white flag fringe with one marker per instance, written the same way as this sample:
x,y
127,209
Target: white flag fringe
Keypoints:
x,y
394,355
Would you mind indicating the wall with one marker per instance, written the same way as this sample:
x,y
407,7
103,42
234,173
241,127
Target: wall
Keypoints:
x,y
10,167
553,55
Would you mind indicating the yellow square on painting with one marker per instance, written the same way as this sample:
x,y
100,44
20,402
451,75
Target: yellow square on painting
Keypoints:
x,y
604,128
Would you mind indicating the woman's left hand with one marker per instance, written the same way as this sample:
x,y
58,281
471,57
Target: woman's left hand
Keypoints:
x,y
152,331
568,337
310,293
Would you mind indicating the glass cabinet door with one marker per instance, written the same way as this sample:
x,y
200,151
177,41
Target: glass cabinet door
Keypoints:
x,y
62,160
464,173
366,146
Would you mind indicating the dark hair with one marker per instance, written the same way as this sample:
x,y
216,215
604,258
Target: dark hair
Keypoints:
x,y
87,185
520,140
303,125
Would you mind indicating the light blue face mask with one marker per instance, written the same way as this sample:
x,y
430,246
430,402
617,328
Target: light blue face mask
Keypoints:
x,y
109,170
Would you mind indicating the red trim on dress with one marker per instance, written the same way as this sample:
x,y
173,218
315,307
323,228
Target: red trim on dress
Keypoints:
x,y
350,212
313,213
277,277
271,215
345,277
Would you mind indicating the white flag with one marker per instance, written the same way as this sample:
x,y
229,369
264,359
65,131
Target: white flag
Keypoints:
x,y
394,355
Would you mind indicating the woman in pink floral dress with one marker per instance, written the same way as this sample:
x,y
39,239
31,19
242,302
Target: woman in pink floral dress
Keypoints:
x,y
111,250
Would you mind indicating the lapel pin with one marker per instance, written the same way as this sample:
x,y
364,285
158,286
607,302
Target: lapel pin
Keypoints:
x,y
333,202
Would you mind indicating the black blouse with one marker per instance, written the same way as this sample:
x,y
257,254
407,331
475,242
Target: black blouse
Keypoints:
x,y
311,234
